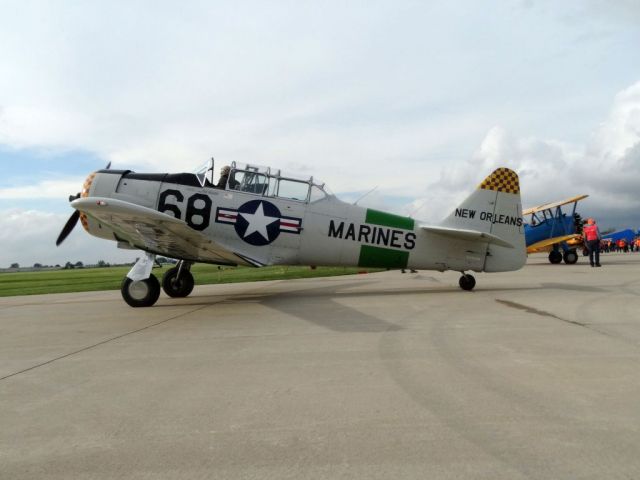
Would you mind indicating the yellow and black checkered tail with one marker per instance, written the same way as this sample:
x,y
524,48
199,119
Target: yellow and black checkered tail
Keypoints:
x,y
495,208
502,180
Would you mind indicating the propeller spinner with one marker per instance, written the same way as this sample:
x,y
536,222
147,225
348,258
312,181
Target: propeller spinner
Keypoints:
x,y
75,216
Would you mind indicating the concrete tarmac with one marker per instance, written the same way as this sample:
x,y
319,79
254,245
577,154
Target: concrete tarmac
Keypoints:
x,y
535,374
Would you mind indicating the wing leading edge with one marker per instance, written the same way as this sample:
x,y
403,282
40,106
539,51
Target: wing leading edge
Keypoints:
x,y
157,232
548,206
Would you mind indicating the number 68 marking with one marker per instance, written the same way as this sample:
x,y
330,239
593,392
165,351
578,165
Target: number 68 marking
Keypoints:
x,y
203,212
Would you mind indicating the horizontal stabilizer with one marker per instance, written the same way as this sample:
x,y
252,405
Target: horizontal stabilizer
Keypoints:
x,y
472,235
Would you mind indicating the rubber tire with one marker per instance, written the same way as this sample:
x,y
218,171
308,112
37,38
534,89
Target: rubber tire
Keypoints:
x,y
140,298
570,257
177,288
555,257
585,252
467,282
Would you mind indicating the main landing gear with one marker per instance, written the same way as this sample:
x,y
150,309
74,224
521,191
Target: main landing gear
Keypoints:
x,y
177,282
569,256
467,281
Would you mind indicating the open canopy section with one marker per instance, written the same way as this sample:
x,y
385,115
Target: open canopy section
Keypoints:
x,y
263,181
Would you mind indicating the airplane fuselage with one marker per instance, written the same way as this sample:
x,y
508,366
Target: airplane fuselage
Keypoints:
x,y
282,231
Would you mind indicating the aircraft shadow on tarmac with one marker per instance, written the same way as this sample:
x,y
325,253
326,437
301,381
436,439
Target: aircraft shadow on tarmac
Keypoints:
x,y
320,307
301,303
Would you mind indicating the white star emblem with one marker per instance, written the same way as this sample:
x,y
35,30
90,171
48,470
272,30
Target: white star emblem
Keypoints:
x,y
258,222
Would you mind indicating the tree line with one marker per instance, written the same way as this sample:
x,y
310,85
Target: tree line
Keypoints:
x,y
74,265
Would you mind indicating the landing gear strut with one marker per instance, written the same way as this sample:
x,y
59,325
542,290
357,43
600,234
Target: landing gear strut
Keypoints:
x,y
467,282
178,282
140,288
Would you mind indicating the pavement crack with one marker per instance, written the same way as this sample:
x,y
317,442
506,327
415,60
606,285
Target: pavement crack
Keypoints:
x,y
542,313
89,347
535,311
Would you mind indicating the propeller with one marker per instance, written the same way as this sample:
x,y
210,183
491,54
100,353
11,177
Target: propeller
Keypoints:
x,y
71,223
577,221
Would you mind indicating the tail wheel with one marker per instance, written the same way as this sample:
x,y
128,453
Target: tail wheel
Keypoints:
x,y
467,282
570,257
555,256
142,293
177,287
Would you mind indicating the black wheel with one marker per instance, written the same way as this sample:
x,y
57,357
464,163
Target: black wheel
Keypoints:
x,y
467,282
585,252
570,257
143,293
555,256
177,287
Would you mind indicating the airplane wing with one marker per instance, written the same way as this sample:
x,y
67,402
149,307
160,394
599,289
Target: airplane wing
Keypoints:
x,y
548,206
472,235
157,232
547,242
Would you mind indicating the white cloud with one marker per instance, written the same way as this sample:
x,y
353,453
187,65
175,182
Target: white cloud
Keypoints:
x,y
56,189
341,87
27,126
421,99
607,168
28,236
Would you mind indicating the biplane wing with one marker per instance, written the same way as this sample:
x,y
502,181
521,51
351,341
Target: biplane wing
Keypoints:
x,y
549,242
548,206
154,231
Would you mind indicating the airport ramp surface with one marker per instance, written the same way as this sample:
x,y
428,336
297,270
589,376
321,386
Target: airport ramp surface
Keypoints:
x,y
535,374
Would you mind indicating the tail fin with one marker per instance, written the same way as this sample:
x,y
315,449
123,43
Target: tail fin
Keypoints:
x,y
495,208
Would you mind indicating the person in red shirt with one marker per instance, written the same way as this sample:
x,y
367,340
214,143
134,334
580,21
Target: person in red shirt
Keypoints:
x,y
592,239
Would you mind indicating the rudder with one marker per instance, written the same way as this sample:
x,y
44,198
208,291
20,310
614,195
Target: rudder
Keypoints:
x,y
495,207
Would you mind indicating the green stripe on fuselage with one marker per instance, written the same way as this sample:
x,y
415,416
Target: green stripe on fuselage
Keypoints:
x,y
382,257
376,217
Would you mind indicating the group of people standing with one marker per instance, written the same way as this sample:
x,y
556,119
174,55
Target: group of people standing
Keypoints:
x,y
621,245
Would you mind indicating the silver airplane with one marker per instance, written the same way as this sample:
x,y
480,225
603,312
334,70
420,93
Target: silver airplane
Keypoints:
x,y
256,216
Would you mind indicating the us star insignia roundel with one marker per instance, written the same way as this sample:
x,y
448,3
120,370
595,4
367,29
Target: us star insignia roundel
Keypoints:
x,y
258,222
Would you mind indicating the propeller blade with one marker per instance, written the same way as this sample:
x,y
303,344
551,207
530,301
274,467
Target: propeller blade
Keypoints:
x,y
68,227
108,166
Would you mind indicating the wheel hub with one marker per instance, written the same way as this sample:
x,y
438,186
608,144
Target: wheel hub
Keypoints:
x,y
138,290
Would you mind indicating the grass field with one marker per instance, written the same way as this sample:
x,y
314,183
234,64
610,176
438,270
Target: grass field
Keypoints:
x,y
110,278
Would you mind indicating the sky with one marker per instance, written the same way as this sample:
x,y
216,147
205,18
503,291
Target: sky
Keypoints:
x,y
419,99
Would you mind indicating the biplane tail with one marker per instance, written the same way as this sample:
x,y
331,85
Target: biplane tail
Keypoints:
x,y
492,214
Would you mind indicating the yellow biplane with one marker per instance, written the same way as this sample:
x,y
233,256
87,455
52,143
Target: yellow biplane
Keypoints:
x,y
550,229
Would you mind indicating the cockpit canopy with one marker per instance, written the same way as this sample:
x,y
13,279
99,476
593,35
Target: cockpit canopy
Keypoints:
x,y
265,181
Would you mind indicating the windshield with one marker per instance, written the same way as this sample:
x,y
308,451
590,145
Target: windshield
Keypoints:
x,y
205,173
265,181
